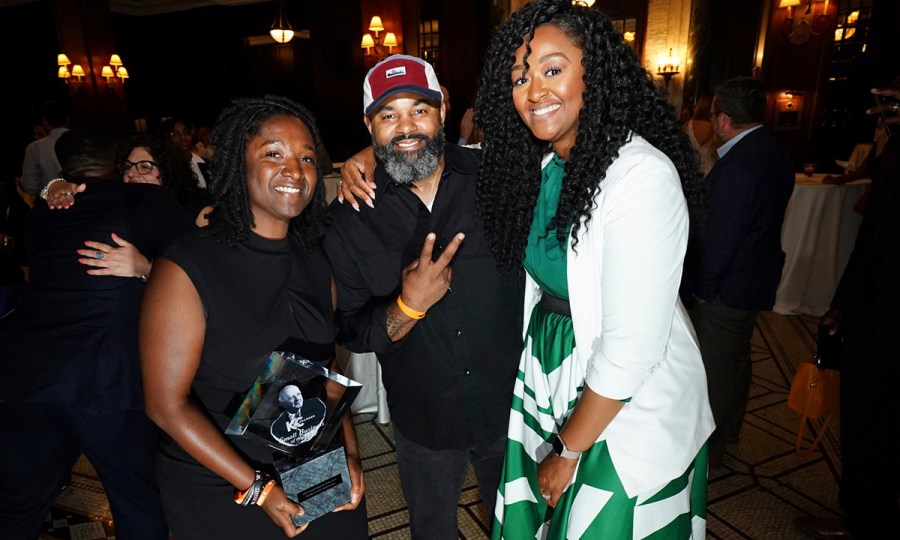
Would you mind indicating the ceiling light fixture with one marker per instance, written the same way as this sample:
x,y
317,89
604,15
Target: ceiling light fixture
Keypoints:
x,y
281,30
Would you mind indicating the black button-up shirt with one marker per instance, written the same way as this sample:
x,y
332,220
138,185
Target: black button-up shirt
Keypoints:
x,y
449,381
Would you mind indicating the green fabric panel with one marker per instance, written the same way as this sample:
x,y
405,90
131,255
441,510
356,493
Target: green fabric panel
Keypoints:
x,y
545,257
549,349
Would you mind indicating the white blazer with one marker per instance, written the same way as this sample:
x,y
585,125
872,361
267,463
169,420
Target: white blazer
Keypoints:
x,y
636,337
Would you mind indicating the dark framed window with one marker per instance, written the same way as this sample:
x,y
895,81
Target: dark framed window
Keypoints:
x,y
430,41
629,17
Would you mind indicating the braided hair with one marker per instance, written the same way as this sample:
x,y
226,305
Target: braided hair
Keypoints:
x,y
620,99
232,218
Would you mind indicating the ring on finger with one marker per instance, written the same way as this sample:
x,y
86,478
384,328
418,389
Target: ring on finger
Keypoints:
x,y
98,255
895,106
546,496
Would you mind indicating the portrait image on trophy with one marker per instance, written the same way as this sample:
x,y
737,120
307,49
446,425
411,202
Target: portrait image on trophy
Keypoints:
x,y
300,420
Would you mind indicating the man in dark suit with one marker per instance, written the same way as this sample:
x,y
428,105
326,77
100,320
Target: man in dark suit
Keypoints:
x,y
741,260
69,372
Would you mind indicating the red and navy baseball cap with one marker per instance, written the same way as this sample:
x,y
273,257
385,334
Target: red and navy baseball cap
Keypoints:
x,y
399,73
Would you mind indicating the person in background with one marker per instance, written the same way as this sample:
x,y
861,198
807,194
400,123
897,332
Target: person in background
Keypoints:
x,y
864,311
181,134
217,304
203,147
686,113
466,123
469,134
71,380
741,259
39,131
588,179
40,164
151,159
699,130
143,159
447,334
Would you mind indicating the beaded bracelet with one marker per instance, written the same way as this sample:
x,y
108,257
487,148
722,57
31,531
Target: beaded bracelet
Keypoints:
x,y
45,192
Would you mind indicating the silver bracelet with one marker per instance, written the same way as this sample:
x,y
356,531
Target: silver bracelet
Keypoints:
x,y
45,192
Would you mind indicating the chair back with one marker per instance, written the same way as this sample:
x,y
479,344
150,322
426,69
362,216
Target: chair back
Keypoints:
x,y
858,156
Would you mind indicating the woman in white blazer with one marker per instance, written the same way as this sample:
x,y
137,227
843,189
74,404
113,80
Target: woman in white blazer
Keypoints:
x,y
588,179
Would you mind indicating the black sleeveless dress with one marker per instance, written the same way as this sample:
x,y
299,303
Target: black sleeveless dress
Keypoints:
x,y
256,296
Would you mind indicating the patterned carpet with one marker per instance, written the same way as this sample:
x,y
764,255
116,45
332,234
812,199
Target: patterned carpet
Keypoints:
x,y
756,494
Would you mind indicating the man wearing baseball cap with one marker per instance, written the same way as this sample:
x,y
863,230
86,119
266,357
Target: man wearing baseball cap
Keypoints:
x,y
417,285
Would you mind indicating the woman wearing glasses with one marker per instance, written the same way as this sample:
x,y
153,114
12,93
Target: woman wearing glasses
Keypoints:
x,y
148,159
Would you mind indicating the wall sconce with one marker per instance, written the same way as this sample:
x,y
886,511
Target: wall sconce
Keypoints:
x,y
110,72
667,68
378,44
114,70
62,61
799,29
281,30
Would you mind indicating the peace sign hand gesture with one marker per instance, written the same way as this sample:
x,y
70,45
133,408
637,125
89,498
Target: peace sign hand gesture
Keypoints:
x,y
424,283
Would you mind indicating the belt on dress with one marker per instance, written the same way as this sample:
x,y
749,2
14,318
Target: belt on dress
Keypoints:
x,y
556,305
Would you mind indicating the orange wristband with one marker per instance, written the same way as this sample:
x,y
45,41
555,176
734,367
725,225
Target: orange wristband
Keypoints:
x,y
410,312
265,492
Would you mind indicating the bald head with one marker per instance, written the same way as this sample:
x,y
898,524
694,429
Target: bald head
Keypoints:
x,y
86,152
290,397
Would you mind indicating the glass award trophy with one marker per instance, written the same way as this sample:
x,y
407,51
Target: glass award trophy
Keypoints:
x,y
296,407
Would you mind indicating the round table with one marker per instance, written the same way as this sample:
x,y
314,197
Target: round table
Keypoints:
x,y
817,237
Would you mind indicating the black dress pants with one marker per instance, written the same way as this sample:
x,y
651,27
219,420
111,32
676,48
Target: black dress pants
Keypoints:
x,y
724,334
41,443
432,481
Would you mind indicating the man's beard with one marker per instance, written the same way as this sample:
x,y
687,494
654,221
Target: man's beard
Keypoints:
x,y
411,166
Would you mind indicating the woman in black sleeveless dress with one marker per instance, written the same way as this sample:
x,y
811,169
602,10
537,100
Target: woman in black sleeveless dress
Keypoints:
x,y
218,303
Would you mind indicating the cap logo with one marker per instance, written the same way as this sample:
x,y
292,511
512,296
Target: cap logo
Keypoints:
x,y
395,72
399,73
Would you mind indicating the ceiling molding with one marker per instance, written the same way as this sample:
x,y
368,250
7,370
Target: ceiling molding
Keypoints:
x,y
157,7
152,7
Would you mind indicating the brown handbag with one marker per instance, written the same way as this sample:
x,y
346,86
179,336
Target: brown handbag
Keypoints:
x,y
815,393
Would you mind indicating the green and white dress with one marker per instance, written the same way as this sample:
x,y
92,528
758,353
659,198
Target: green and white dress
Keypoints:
x,y
550,381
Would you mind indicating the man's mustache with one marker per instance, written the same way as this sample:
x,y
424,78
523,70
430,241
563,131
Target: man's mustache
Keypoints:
x,y
399,138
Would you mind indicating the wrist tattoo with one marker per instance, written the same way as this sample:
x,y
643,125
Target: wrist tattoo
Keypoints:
x,y
393,323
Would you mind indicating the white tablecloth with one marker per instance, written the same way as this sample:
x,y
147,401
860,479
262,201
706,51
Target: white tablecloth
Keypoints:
x,y
331,182
817,237
363,368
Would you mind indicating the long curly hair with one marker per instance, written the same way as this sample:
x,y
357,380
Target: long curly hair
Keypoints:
x,y
619,99
232,218
175,171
